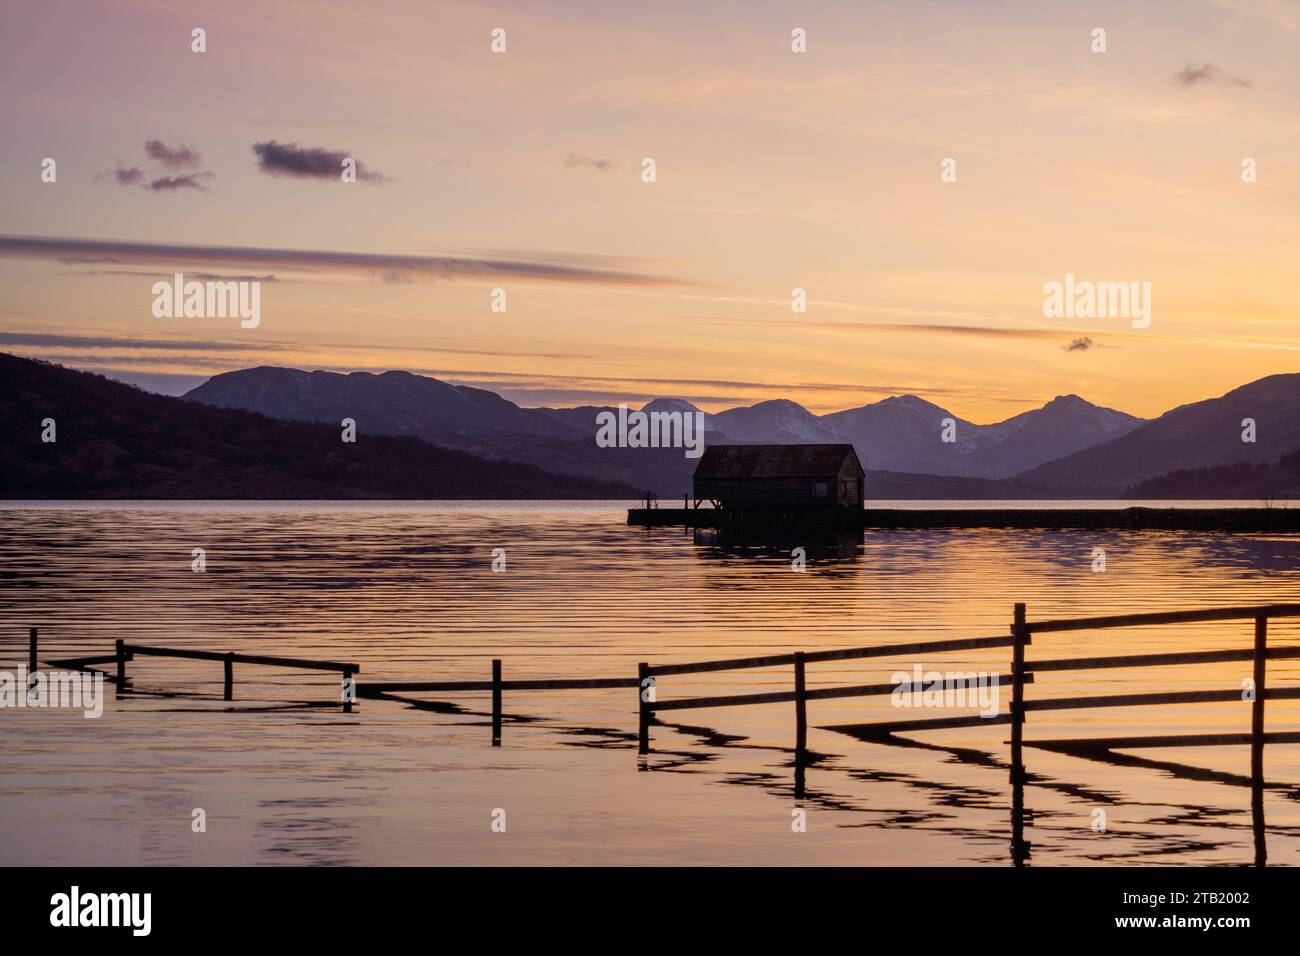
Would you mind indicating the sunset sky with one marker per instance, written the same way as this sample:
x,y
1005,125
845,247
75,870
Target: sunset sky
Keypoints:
x,y
775,170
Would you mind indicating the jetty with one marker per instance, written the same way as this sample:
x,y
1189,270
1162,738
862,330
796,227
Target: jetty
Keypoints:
x,y
1238,520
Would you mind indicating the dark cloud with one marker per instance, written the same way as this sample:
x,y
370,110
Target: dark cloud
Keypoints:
x,y
179,157
129,176
368,265
169,158
577,160
308,162
187,181
1081,344
1206,74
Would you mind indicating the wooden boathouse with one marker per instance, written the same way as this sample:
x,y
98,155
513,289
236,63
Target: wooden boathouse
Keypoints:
x,y
786,478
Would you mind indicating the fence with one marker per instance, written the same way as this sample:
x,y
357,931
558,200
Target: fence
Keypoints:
x,y
1022,671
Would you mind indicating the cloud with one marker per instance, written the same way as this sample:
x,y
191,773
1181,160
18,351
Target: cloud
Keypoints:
x,y
169,158
1081,344
61,340
358,264
187,181
308,162
129,175
905,328
1206,74
577,160
180,157
198,276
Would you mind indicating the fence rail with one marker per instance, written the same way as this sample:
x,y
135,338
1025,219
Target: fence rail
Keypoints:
x,y
1021,675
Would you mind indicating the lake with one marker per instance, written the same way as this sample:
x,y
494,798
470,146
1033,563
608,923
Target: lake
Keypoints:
x,y
408,591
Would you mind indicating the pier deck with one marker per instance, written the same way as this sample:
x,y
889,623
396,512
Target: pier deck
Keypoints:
x,y
1083,518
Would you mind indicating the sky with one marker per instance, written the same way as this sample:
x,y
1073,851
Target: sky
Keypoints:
x,y
774,170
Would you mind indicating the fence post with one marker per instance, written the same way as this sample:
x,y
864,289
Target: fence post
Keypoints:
x,y
1020,633
121,667
349,689
496,703
800,708
1257,740
230,675
643,705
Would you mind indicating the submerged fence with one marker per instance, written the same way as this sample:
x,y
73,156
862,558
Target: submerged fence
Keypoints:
x,y
1020,676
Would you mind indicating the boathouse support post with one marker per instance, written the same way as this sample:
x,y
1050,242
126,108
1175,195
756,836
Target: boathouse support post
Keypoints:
x,y
32,660
643,708
496,702
800,708
1020,633
121,667
1257,740
230,676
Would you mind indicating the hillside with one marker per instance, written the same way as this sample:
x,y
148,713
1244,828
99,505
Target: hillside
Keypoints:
x,y
116,441
1244,480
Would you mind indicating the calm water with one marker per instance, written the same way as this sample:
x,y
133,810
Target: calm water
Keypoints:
x,y
408,592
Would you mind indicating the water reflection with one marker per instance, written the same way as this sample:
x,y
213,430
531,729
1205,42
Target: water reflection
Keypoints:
x,y
408,591
817,543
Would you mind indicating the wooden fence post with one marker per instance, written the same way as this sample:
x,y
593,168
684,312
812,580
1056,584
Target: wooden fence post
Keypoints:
x,y
230,675
643,708
496,703
1020,632
800,708
121,667
1257,740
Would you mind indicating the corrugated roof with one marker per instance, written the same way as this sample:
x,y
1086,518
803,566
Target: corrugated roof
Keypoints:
x,y
773,461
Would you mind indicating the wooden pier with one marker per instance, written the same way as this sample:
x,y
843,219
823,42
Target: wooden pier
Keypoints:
x,y
1236,520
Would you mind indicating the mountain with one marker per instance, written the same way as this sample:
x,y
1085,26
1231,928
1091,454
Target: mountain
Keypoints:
x,y
456,416
899,434
116,441
776,422
1063,426
1202,434
391,403
904,434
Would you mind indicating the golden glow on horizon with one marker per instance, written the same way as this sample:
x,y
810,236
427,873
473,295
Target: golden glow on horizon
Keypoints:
x,y
775,171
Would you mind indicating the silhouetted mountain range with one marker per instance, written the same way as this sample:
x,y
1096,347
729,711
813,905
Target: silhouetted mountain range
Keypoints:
x,y
116,441
900,434
274,433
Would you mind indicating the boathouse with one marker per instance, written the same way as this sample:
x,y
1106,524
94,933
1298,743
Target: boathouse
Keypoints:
x,y
780,476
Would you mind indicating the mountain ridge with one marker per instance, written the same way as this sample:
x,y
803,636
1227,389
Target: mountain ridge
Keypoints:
x,y
900,433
